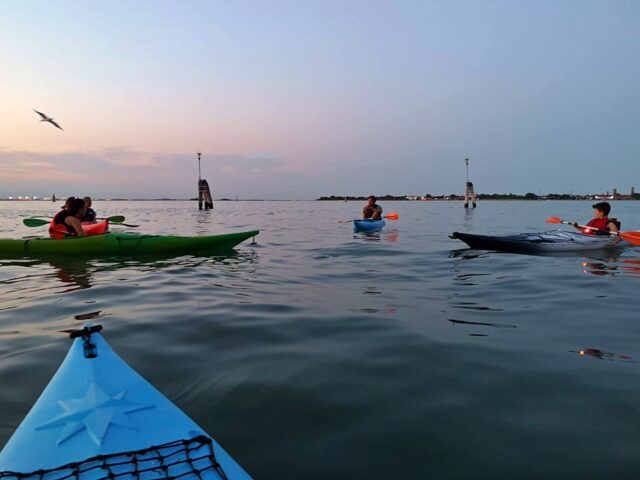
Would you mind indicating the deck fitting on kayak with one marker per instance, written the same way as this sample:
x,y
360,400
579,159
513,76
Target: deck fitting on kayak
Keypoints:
x,y
90,350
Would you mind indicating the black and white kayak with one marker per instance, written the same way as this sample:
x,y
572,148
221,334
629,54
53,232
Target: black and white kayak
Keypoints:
x,y
99,420
540,242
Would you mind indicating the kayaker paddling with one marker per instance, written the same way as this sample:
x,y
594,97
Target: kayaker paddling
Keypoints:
x,y
601,223
372,211
66,222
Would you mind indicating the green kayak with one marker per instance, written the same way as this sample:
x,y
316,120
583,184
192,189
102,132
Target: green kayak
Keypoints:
x,y
124,244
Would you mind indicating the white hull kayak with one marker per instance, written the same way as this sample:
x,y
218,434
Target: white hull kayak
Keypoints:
x,y
541,242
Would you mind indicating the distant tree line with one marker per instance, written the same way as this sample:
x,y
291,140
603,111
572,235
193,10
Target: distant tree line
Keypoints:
x,y
348,197
480,196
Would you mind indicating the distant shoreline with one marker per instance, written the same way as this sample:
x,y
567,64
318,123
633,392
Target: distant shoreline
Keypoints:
x,y
386,198
484,196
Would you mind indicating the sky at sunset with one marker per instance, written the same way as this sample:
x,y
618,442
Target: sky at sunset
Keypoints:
x,y
298,99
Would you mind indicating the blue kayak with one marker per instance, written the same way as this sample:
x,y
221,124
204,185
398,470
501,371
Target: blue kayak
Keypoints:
x,y
368,225
99,419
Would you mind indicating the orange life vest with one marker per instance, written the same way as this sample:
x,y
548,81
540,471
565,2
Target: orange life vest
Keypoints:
x,y
58,229
600,226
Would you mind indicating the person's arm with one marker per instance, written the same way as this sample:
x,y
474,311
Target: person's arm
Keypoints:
x,y
377,214
76,224
613,228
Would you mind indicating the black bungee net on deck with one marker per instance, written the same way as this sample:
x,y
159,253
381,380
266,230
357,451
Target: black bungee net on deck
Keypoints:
x,y
182,459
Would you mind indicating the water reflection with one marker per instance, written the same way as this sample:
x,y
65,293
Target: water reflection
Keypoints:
x,y
474,306
27,280
598,262
387,311
629,266
391,236
612,266
368,236
204,220
89,316
602,355
599,268
484,324
468,253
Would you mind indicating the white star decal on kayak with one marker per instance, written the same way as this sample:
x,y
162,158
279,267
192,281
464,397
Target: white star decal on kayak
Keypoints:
x,y
95,412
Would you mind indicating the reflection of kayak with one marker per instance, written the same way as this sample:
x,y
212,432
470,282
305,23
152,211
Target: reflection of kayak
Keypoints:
x,y
99,419
542,242
368,225
124,244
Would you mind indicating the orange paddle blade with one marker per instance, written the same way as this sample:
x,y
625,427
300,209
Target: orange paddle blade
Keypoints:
x,y
392,216
631,237
553,220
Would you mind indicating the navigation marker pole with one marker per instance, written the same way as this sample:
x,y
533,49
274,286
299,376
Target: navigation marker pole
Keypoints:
x,y
469,194
204,194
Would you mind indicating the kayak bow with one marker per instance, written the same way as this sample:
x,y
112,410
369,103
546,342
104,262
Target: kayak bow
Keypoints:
x,y
100,420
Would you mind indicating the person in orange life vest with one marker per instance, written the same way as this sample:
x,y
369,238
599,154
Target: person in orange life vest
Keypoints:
x,y
67,222
371,211
601,223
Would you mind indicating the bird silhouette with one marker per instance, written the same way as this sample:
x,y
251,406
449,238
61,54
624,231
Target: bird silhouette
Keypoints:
x,y
44,118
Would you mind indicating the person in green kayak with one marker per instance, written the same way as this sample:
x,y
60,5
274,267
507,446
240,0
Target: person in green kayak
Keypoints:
x,y
67,221
601,223
371,210
90,215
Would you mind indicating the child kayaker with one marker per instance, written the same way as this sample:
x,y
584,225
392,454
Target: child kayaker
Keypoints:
x,y
601,223
371,211
90,216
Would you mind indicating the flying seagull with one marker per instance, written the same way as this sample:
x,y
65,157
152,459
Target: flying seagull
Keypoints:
x,y
44,118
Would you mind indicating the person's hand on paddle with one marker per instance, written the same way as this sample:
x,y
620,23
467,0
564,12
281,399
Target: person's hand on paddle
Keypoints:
x,y
631,237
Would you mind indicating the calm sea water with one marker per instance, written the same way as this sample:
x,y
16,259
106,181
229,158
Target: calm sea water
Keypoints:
x,y
319,353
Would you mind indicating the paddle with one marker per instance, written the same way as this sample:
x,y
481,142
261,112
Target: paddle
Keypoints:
x,y
631,237
38,222
388,216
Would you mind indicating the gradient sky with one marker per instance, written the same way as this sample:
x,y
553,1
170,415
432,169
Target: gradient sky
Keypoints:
x,y
298,99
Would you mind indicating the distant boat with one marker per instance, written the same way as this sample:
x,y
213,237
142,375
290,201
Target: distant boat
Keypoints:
x,y
53,197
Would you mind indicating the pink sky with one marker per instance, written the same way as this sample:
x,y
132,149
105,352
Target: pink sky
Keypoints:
x,y
290,99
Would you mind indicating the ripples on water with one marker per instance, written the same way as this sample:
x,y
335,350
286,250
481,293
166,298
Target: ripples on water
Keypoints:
x,y
319,353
